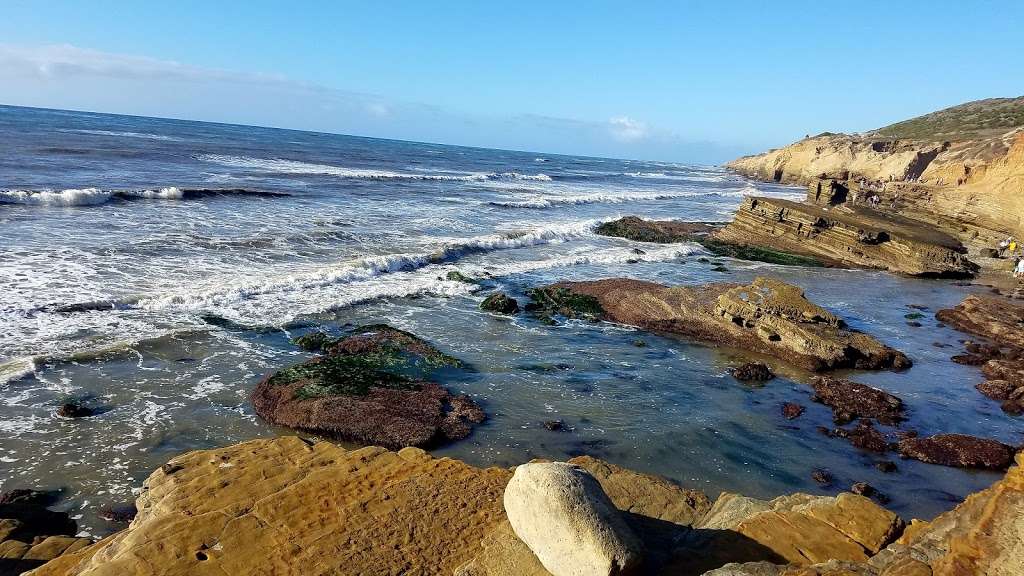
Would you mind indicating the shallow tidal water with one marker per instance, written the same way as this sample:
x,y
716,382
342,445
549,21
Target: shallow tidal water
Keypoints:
x,y
185,300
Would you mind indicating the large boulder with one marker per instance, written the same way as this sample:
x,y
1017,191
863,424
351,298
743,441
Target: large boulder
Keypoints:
x,y
31,534
370,387
767,316
561,513
656,231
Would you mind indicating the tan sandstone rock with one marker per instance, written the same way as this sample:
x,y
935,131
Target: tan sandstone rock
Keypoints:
x,y
560,512
767,316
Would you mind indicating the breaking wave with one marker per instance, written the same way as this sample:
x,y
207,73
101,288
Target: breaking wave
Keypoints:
x,y
96,196
294,167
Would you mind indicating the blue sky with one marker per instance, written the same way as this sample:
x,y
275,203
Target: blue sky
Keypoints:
x,y
683,81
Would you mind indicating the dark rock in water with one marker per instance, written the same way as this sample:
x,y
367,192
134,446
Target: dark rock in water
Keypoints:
x,y
28,496
703,260
959,450
638,252
917,306
913,316
661,232
639,343
821,476
997,389
119,514
314,341
456,276
914,324
767,316
863,489
791,411
752,372
554,425
500,303
968,359
849,400
75,409
719,269
887,466
865,436
370,387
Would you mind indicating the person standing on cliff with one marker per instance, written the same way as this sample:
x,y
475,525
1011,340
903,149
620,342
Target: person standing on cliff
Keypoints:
x,y
1018,270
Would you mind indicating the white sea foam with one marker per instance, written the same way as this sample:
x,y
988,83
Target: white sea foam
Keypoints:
x,y
145,135
295,167
549,200
69,197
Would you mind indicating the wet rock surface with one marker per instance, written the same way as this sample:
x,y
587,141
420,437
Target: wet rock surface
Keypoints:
x,y
791,411
656,231
768,317
752,372
866,437
849,400
370,386
500,303
959,450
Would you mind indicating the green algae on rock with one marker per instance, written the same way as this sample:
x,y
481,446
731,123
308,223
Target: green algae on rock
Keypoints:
x,y
370,386
550,301
500,303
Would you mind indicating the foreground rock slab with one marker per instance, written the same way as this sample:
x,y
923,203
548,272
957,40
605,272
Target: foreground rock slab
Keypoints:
x,y
561,513
767,316
848,236
369,387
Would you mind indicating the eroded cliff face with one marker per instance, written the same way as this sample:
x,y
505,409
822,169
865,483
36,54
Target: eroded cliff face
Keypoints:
x,y
975,182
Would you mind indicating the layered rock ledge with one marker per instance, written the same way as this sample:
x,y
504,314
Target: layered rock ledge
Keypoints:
x,y
848,236
286,506
768,316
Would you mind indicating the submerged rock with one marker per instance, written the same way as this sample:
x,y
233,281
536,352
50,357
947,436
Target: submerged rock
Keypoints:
x,y
371,387
866,437
851,236
768,316
791,411
753,372
456,276
500,303
561,513
958,450
661,232
849,400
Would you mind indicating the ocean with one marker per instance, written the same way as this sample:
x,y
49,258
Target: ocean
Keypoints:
x,y
159,267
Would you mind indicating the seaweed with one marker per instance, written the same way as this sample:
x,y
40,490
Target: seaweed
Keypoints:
x,y
758,253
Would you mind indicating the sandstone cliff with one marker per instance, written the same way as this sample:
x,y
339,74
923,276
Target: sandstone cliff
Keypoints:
x,y
962,162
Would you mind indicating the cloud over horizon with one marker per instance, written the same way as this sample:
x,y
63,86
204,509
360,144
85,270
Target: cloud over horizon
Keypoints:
x,y
68,76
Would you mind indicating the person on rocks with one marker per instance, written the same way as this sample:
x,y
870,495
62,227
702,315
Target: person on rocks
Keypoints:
x,y
1003,246
1018,269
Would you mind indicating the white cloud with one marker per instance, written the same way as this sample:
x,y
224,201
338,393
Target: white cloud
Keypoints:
x,y
626,129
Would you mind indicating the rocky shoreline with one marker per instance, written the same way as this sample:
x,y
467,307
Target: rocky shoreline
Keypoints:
x,y
298,505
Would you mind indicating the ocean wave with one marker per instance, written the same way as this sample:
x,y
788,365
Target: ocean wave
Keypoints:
x,y
295,167
145,135
369,267
547,201
97,196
